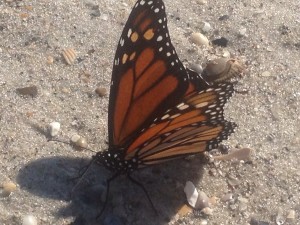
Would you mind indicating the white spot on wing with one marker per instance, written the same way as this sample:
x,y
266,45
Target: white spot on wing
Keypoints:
x,y
122,42
202,104
183,107
165,116
129,33
176,115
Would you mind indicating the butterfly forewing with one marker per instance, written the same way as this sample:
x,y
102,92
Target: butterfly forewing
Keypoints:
x,y
147,78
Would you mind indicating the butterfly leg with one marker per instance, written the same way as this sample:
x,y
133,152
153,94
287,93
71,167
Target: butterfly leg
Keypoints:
x,y
145,191
80,177
107,192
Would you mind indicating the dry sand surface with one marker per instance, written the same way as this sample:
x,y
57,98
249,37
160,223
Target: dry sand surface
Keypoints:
x,y
264,35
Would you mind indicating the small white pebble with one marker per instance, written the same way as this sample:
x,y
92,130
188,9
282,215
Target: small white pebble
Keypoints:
x,y
243,31
191,193
203,222
202,2
265,74
54,128
206,27
79,141
75,138
104,17
29,220
226,54
199,39
207,211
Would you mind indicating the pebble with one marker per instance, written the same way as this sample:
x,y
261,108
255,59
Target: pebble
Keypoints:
x,y
224,17
102,92
191,193
203,222
28,91
196,67
207,211
280,220
202,201
79,141
214,69
226,54
50,60
243,204
75,138
199,39
69,55
291,215
82,142
266,74
206,27
202,2
7,188
243,31
222,69
95,12
104,17
221,42
29,220
227,197
54,128
232,181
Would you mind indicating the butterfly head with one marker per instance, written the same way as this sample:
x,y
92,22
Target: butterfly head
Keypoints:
x,y
113,160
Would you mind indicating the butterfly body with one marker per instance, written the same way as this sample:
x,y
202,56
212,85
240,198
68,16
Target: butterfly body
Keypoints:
x,y
114,161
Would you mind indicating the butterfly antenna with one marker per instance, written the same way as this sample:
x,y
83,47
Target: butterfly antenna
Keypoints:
x,y
145,191
107,193
68,143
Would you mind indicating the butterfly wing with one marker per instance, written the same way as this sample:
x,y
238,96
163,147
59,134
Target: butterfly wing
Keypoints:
x,y
193,126
148,78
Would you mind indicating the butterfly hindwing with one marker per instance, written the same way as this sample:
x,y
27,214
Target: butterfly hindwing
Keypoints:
x,y
193,126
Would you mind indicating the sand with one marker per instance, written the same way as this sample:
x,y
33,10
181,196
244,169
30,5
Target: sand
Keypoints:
x,y
264,35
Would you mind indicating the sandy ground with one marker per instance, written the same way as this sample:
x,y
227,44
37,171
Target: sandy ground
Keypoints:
x,y
265,190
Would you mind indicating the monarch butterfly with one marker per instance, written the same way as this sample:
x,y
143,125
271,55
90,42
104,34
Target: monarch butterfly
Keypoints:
x,y
158,110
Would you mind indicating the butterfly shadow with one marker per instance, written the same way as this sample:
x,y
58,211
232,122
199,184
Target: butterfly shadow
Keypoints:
x,y
127,202
57,178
